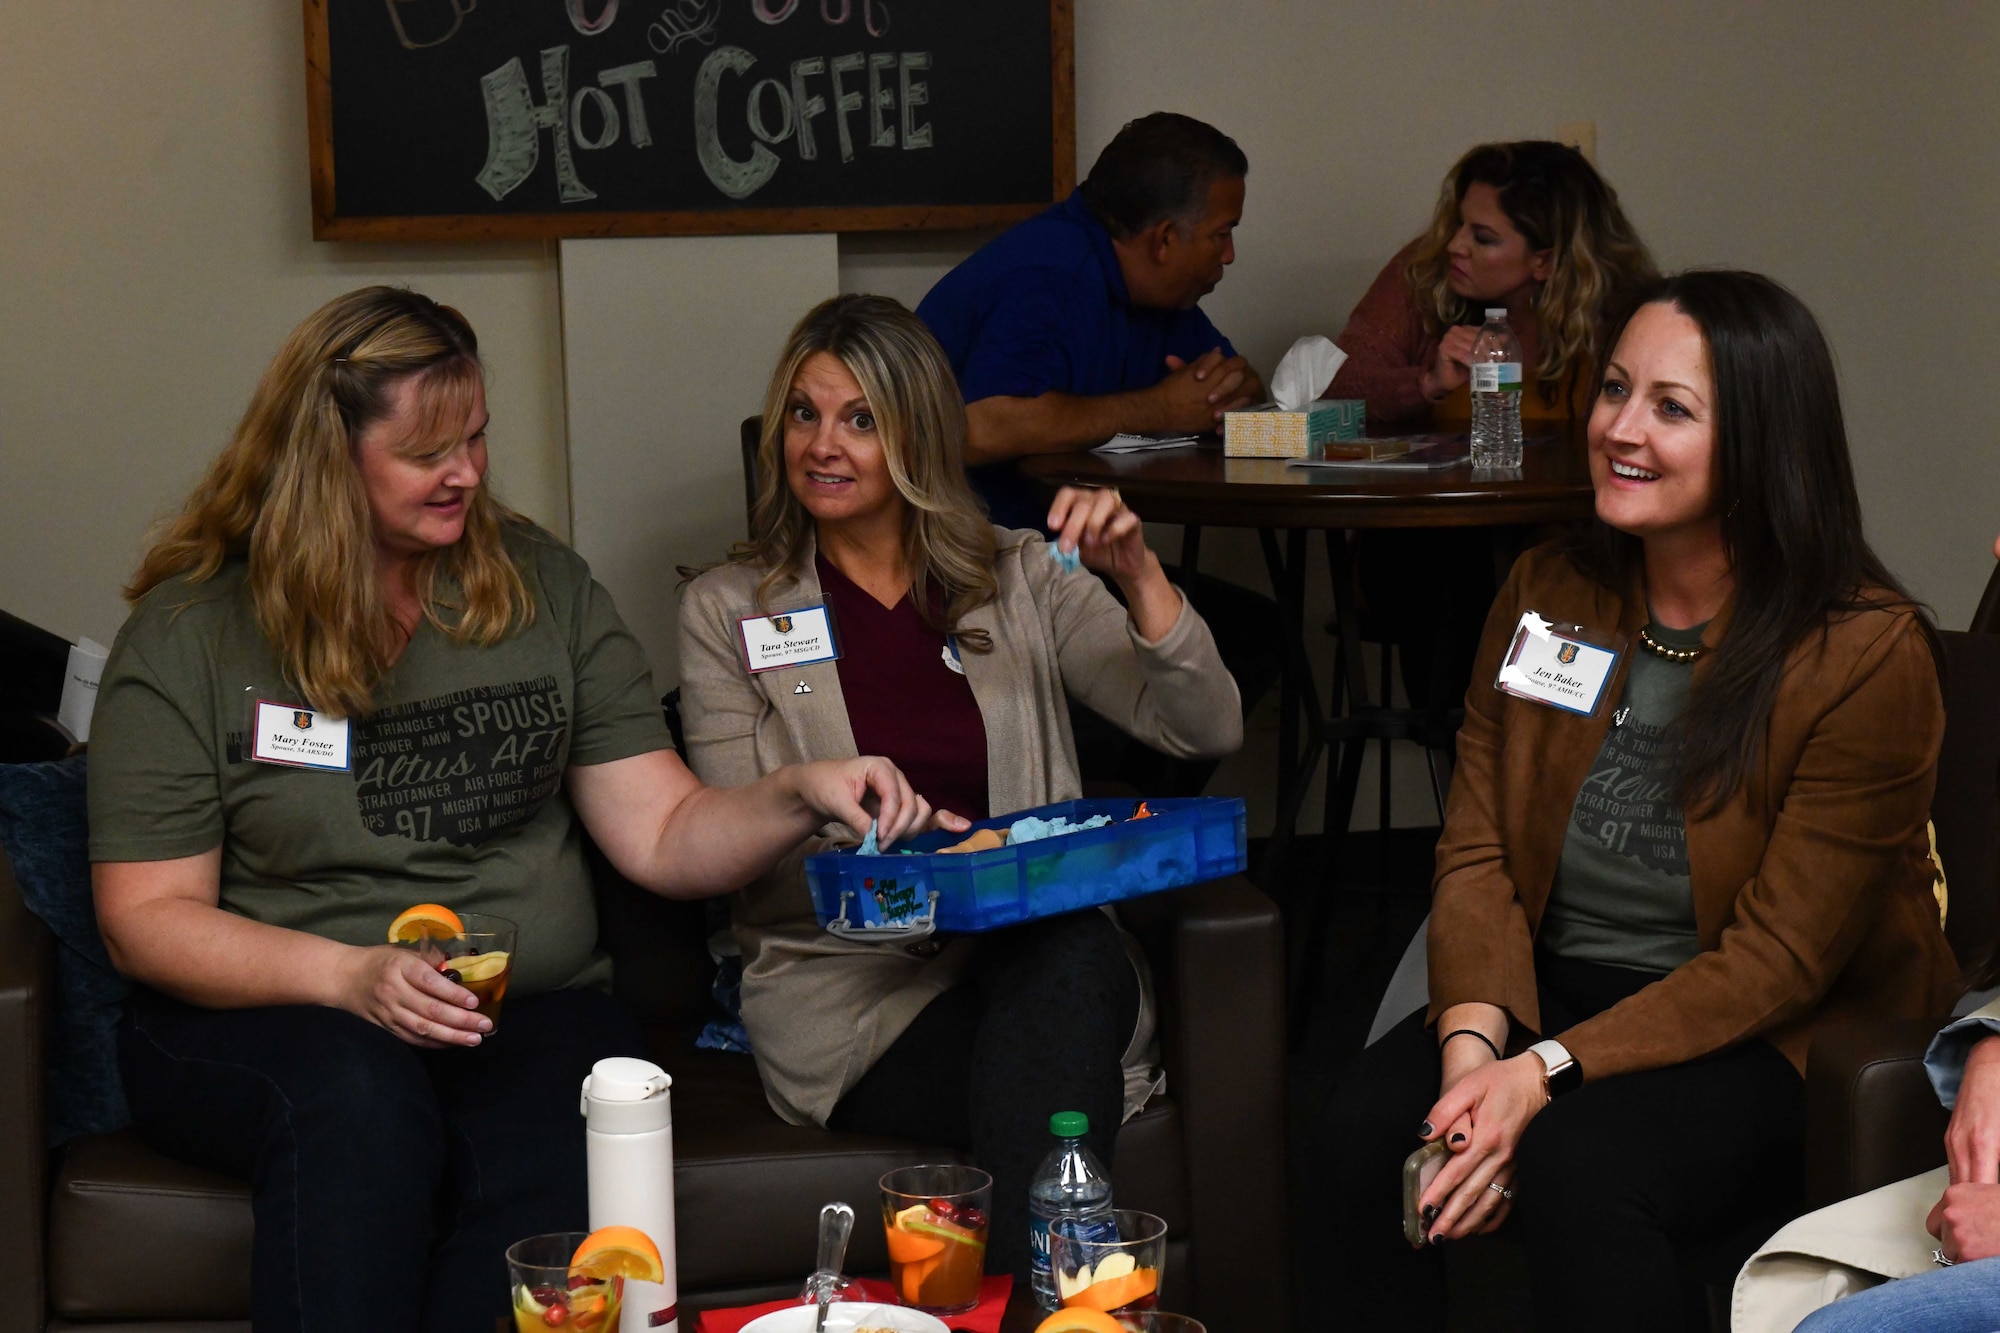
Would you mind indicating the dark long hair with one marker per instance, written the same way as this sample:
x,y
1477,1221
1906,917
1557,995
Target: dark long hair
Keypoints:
x,y
1791,520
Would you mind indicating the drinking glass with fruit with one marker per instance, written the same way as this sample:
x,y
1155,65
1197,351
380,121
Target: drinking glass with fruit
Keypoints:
x,y
471,948
937,1219
1115,1276
572,1280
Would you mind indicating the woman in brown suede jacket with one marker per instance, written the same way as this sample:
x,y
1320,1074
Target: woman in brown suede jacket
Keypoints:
x,y
1648,898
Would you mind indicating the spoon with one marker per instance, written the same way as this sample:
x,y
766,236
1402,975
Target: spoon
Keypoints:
x,y
836,1224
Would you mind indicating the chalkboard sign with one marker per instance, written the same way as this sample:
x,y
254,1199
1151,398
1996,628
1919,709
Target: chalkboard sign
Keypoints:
x,y
462,119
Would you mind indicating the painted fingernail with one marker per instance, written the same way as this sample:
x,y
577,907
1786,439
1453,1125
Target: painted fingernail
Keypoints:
x,y
1437,1237
1424,1130
1458,1138
1430,1213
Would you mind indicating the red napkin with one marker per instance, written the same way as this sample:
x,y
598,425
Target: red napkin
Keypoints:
x,y
981,1318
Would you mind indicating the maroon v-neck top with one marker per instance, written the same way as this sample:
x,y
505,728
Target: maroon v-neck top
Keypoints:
x,y
903,702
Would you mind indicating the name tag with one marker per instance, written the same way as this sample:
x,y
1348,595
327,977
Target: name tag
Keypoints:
x,y
1557,665
301,737
788,639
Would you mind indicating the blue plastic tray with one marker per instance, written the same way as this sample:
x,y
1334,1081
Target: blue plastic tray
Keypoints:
x,y
1187,841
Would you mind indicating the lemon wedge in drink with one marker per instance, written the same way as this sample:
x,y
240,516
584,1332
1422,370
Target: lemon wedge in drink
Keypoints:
x,y
480,966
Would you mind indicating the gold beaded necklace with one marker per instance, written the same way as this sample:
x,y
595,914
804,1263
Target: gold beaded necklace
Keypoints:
x,y
1658,649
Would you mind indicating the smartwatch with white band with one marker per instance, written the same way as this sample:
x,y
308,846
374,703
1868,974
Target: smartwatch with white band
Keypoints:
x,y
1562,1072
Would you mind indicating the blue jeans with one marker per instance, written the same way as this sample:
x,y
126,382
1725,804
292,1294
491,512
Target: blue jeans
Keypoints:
x,y
387,1181
1962,1299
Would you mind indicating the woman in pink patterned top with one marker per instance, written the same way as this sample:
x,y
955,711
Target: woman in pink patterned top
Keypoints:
x,y
1530,226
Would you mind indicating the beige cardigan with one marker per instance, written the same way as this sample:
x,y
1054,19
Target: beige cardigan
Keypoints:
x,y
821,1010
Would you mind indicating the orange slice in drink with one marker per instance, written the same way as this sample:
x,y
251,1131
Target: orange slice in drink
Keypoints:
x,y
1079,1319
907,1247
610,1252
426,921
1117,1292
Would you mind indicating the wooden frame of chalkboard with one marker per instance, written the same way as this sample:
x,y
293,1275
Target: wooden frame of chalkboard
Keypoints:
x,y
398,202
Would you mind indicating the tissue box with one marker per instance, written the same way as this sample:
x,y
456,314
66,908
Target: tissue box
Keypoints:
x,y
1268,431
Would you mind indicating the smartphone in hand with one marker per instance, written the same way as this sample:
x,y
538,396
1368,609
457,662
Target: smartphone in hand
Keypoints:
x,y
1420,1168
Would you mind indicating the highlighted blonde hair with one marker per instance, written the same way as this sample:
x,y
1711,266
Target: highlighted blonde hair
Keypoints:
x,y
920,420
1558,203
286,496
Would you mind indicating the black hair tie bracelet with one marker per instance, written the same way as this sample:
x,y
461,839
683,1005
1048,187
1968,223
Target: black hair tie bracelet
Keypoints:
x,y
1471,1032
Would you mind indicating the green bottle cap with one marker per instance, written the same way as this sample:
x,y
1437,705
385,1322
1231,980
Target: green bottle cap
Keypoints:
x,y
1069,1124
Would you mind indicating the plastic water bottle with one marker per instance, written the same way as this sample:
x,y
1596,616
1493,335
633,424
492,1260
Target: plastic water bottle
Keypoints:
x,y
1496,394
629,1154
1070,1183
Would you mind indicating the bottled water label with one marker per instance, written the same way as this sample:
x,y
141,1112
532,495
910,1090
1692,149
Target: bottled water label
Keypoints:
x,y
1496,377
1102,1229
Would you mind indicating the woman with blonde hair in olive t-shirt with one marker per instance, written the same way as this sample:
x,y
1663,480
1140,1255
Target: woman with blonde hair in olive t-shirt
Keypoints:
x,y
472,694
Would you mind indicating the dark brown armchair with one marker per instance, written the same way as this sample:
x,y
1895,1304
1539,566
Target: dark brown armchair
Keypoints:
x,y
1871,1115
106,1232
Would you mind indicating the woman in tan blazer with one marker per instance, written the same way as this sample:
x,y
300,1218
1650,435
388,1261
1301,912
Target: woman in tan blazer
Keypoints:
x,y
958,643
1644,909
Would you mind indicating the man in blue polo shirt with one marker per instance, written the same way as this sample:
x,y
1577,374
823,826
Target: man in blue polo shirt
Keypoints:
x,y
1083,321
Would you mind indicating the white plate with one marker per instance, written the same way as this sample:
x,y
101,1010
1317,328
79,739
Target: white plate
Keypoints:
x,y
845,1317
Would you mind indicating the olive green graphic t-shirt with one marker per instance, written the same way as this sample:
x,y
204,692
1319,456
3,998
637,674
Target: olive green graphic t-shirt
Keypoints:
x,y
454,791
1621,893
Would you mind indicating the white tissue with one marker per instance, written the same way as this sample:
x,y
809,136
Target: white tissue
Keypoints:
x,y
79,695
1305,372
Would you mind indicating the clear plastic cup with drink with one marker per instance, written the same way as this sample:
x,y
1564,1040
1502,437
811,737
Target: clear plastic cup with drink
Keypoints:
x,y
479,955
937,1218
1118,1276
547,1297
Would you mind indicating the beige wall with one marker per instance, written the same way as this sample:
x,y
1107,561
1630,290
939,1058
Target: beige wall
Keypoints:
x,y
155,248
669,343
154,243
1844,148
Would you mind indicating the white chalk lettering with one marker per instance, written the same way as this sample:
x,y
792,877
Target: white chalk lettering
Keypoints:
x,y
806,105
845,101
638,130
607,112
915,94
737,179
881,133
514,122
755,111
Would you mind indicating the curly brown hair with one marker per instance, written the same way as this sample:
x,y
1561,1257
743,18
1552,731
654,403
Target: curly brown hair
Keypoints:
x,y
1558,203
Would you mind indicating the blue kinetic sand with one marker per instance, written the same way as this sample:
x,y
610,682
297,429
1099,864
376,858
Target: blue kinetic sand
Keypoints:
x,y
914,888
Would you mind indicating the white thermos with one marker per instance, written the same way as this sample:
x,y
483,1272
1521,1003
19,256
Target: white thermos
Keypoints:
x,y
630,1137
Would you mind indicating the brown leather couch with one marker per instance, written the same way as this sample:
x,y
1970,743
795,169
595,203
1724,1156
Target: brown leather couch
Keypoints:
x,y
1872,1117
108,1234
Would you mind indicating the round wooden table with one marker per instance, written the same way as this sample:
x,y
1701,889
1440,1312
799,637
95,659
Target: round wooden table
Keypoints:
x,y
1196,486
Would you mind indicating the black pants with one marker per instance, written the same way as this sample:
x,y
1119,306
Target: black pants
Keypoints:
x,y
1614,1180
1039,1028
388,1180
1427,590
1248,636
